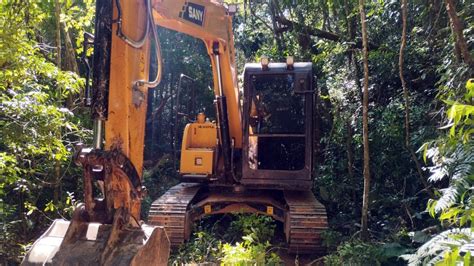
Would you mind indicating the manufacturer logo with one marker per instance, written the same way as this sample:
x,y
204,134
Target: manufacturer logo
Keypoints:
x,y
193,13
211,126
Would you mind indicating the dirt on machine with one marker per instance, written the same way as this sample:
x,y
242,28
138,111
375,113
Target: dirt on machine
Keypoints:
x,y
257,157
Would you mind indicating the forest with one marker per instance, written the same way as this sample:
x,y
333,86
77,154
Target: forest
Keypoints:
x,y
393,159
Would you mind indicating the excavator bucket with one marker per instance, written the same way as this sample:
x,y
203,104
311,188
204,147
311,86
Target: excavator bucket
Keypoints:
x,y
81,243
103,231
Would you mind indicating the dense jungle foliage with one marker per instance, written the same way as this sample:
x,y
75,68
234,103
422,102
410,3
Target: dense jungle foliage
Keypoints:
x,y
420,120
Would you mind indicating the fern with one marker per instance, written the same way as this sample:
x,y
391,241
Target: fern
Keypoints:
x,y
457,244
453,160
455,164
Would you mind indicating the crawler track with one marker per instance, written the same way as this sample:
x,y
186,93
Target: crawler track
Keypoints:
x,y
169,211
305,217
304,223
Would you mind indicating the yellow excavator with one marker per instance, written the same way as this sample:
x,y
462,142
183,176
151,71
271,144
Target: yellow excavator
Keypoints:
x,y
256,157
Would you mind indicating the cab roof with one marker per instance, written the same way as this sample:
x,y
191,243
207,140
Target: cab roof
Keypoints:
x,y
279,67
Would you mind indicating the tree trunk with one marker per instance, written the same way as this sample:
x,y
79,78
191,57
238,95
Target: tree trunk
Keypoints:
x,y
276,33
58,33
70,64
350,156
458,28
457,49
158,132
149,123
57,165
171,118
326,24
351,26
288,25
150,118
365,125
335,16
317,135
407,98
400,69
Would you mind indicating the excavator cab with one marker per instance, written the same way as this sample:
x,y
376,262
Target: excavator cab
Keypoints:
x,y
277,119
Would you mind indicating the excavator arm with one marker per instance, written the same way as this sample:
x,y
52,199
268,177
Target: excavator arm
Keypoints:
x,y
207,20
107,230
121,106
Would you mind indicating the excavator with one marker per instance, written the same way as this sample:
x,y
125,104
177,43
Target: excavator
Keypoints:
x,y
255,158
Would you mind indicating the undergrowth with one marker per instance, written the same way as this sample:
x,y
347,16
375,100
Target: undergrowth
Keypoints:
x,y
237,239
344,250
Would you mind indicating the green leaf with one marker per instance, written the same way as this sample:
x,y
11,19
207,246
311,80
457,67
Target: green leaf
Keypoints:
x,y
425,151
467,258
420,237
50,207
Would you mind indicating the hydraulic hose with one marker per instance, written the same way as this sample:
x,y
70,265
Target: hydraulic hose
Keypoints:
x,y
156,81
138,44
